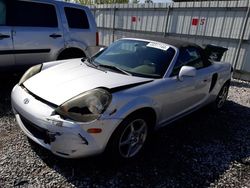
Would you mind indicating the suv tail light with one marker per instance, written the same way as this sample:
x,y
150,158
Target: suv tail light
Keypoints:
x,y
97,38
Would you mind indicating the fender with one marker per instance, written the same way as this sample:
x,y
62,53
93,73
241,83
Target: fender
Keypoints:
x,y
73,44
127,108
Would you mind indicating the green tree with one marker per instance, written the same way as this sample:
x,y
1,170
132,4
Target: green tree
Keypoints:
x,y
135,1
84,2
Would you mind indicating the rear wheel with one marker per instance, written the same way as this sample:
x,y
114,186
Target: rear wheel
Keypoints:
x,y
129,138
222,96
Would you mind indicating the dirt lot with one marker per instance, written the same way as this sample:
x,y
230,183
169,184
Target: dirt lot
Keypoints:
x,y
205,149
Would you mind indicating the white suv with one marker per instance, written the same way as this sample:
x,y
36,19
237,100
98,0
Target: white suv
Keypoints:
x,y
36,31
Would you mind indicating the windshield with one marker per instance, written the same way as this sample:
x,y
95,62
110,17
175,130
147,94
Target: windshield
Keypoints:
x,y
137,58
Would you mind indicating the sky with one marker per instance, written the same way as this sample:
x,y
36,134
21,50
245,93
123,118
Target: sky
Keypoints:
x,y
157,1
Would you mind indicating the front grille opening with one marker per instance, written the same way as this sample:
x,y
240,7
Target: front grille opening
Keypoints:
x,y
36,131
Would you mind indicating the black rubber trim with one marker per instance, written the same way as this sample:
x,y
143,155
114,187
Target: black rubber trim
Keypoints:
x,y
28,51
39,98
61,153
120,88
4,36
84,139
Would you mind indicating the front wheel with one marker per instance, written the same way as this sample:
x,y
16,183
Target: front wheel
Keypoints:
x,y
129,138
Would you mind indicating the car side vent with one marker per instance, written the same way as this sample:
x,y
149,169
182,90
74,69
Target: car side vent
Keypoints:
x,y
213,82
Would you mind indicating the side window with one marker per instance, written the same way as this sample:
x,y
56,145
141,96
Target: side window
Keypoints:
x,y
30,14
76,18
189,56
2,12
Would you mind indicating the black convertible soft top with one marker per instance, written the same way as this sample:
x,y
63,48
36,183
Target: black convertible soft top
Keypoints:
x,y
211,52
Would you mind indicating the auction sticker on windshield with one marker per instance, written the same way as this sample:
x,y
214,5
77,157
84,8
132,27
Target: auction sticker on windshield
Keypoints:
x,y
160,46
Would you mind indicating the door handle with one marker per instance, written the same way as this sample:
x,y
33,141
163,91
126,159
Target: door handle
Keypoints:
x,y
4,36
54,35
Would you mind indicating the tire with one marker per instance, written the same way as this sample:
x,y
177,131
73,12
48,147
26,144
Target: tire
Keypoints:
x,y
71,53
129,138
221,97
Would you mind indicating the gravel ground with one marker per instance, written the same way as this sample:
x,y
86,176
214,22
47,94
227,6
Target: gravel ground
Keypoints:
x,y
205,149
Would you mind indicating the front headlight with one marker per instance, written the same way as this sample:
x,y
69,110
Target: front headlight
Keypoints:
x,y
30,72
87,106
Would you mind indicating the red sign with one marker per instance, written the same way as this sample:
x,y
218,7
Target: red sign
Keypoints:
x,y
133,19
195,21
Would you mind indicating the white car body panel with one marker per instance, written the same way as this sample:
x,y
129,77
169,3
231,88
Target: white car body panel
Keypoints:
x,y
60,81
77,77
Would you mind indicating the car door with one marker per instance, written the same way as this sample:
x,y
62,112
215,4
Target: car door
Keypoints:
x,y
182,96
36,32
6,45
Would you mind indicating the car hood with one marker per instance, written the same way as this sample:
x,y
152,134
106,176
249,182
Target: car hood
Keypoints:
x,y
60,83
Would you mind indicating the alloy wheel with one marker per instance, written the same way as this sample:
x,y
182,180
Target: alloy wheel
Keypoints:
x,y
133,138
222,97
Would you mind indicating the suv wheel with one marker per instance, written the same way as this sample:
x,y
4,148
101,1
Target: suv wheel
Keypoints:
x,y
71,53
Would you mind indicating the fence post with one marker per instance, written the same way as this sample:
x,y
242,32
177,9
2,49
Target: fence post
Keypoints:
x,y
113,27
241,38
166,25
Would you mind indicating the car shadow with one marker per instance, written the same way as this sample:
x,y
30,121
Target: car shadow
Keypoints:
x,y
192,152
7,82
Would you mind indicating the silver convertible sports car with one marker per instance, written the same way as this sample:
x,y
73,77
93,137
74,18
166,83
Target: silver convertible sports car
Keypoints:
x,y
112,101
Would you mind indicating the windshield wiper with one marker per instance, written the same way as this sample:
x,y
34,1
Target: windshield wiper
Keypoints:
x,y
89,62
117,69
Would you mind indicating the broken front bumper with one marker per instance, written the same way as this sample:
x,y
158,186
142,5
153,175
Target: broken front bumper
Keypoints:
x,y
64,138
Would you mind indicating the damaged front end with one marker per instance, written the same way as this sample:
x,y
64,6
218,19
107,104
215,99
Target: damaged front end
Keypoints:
x,y
64,139
62,136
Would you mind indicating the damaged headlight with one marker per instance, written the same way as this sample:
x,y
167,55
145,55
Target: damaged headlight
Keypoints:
x,y
30,72
87,106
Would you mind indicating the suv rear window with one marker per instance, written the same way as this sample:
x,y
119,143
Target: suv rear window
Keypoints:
x,y
76,18
2,12
32,14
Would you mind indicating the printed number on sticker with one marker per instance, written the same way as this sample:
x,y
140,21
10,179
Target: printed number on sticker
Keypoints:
x,y
158,46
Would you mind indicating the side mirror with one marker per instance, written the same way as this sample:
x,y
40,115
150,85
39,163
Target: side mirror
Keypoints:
x,y
186,71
